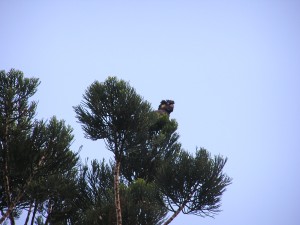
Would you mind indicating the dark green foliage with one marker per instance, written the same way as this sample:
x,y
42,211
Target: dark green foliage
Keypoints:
x,y
16,114
161,145
56,196
15,109
150,176
141,201
50,144
142,204
97,200
32,153
113,111
194,184
146,148
53,189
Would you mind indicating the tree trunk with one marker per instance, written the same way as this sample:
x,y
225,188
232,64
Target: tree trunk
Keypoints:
x,y
174,214
49,211
5,215
12,219
28,214
34,212
181,207
6,172
13,204
11,208
117,192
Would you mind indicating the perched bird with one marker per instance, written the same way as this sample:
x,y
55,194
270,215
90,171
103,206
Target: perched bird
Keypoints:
x,y
164,109
166,106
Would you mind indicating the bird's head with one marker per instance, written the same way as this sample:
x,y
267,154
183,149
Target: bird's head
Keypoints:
x,y
167,106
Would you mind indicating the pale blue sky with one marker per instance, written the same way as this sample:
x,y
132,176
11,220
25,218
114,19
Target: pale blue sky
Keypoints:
x,y
232,67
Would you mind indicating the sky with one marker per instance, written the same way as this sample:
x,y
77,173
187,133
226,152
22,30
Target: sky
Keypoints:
x,y
232,68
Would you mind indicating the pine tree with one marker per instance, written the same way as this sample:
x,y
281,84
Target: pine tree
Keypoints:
x,y
54,186
30,150
113,111
16,115
156,174
193,184
141,201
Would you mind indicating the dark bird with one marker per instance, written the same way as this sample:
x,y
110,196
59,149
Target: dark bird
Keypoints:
x,y
166,106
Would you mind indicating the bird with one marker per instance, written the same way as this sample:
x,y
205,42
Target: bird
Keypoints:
x,y
166,107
